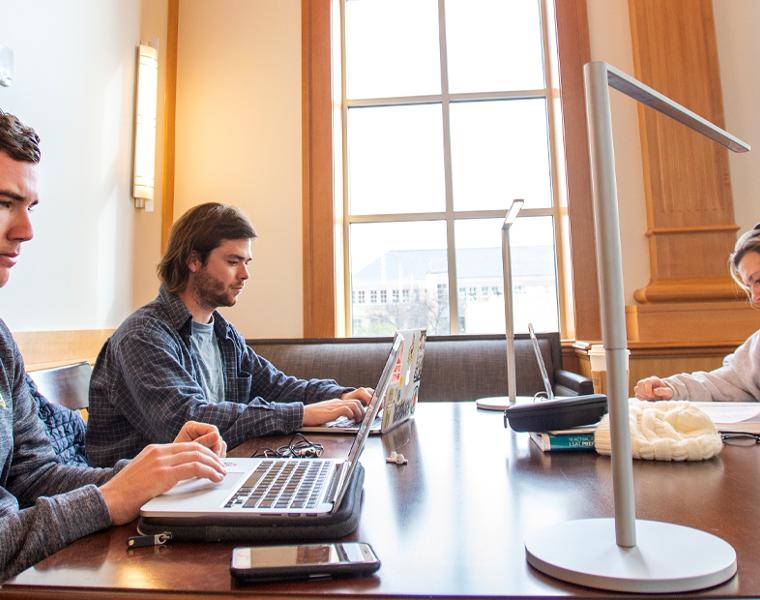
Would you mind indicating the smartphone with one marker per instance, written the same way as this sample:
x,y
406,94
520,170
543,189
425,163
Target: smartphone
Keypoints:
x,y
303,561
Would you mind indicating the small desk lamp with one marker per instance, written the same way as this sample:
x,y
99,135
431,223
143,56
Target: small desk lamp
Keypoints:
x,y
645,556
500,402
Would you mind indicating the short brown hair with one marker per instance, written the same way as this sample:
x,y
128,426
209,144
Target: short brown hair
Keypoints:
x,y
749,241
17,140
200,230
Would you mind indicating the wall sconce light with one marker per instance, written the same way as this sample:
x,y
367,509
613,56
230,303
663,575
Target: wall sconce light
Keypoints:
x,y
144,160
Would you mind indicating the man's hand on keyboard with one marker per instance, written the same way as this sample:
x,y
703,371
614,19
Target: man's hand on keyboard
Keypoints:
x,y
363,394
320,413
152,472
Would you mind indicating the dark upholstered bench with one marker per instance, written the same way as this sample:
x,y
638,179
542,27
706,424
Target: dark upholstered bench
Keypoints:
x,y
456,368
67,386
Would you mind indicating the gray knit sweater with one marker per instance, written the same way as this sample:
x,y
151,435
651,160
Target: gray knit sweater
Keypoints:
x,y
738,380
43,505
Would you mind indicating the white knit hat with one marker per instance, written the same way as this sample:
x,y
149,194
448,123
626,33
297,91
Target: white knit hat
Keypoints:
x,y
665,431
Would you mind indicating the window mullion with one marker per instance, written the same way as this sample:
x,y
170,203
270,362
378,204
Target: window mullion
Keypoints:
x,y
435,98
445,115
347,285
553,158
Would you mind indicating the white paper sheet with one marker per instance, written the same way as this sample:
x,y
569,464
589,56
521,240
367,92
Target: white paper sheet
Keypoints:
x,y
730,412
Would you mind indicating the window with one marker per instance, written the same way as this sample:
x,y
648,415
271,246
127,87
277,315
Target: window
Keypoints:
x,y
442,128
326,273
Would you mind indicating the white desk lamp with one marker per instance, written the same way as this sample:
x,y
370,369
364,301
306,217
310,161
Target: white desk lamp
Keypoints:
x,y
645,556
501,402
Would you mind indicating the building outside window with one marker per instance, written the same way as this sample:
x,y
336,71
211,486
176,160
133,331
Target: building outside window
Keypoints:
x,y
447,118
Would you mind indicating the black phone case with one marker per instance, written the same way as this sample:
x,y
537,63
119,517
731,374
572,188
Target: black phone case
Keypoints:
x,y
560,413
265,528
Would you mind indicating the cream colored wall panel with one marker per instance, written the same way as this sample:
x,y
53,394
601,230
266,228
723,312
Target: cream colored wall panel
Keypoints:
x,y
238,141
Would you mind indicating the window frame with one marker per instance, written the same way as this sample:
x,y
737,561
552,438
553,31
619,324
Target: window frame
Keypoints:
x,y
325,296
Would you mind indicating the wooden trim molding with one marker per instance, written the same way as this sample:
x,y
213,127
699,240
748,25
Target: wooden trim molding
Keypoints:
x,y
574,50
691,322
690,229
170,109
690,217
46,349
662,359
319,297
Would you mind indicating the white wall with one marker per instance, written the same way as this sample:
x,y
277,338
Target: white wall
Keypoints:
x,y
738,48
238,141
147,225
75,63
736,24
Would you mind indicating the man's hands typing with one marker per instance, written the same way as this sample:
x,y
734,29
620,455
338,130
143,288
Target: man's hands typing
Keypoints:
x,y
196,452
350,404
204,434
363,394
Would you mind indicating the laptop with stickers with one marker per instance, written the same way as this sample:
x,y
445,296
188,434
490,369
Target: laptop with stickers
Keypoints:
x,y
401,399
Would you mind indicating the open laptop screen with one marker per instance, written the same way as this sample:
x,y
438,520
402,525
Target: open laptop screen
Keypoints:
x,y
374,406
541,364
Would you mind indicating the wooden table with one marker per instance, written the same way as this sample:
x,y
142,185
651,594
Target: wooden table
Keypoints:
x,y
450,523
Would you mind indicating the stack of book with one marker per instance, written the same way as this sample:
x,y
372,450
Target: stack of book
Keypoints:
x,y
577,438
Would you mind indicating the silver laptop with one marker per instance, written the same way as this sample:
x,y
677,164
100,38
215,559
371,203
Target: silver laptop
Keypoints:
x,y
541,363
274,486
403,391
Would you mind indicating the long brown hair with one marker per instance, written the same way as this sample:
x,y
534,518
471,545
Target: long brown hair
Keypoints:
x,y
200,230
749,241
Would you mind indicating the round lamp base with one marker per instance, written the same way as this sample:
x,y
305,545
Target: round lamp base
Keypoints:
x,y
667,558
500,402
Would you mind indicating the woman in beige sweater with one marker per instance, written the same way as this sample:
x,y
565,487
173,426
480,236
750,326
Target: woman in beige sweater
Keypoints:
x,y
739,377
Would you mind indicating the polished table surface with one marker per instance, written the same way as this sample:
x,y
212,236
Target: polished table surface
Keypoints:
x,y
449,523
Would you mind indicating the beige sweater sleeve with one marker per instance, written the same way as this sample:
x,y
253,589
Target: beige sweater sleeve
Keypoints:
x,y
738,380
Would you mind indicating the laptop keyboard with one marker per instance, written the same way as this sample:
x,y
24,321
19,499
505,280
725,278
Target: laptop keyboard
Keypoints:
x,y
349,422
282,484
341,422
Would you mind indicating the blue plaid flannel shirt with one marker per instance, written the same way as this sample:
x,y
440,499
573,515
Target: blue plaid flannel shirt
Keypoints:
x,y
145,385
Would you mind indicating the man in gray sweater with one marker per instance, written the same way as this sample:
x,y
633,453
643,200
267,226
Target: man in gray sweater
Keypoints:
x,y
44,505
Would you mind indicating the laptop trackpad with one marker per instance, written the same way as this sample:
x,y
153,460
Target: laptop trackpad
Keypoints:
x,y
187,487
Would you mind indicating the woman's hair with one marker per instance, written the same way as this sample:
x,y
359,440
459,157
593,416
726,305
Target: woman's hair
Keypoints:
x,y
749,241
200,230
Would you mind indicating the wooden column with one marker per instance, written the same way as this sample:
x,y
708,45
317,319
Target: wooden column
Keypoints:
x,y
319,307
170,110
690,217
574,51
